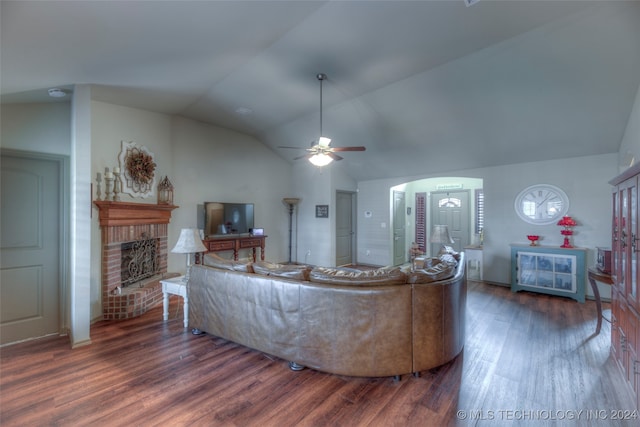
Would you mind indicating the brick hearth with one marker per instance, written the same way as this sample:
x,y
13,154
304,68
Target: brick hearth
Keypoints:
x,y
123,222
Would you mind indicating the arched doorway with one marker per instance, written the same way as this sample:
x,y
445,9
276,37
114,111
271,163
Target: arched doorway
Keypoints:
x,y
458,200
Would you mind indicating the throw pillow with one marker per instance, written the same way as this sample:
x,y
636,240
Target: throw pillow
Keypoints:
x,y
288,271
434,270
448,250
350,276
213,260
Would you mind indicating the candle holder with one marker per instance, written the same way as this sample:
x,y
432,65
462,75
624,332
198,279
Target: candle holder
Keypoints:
x,y
568,223
534,239
98,189
116,186
108,191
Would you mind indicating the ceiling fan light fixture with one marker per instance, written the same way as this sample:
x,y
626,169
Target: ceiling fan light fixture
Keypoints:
x,y
320,153
324,141
320,159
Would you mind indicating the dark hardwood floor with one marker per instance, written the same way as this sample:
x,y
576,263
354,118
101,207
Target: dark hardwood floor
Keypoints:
x,y
528,360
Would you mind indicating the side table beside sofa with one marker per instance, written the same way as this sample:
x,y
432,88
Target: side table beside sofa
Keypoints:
x,y
175,286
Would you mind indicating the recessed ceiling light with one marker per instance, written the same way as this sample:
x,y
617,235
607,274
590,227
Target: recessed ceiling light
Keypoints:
x,y
244,111
57,93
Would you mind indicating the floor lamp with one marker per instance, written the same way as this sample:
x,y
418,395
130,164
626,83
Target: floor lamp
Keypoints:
x,y
291,202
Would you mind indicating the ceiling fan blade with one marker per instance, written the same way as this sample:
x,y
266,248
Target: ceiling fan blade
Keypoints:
x,y
348,148
306,156
295,148
334,156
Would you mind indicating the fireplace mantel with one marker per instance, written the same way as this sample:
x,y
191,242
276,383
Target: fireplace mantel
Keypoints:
x,y
127,213
120,223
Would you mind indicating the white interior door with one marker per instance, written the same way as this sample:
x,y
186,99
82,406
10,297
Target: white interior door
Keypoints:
x,y
400,255
30,269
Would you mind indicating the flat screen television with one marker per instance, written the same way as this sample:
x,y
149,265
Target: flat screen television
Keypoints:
x,y
227,218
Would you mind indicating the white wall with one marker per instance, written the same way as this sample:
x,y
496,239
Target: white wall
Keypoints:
x,y
80,227
43,128
213,164
112,124
630,146
315,241
584,179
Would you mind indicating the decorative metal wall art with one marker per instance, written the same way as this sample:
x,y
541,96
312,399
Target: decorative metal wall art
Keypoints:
x,y
138,170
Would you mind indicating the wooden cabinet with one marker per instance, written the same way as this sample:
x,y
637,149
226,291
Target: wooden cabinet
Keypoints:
x,y
235,242
548,270
625,300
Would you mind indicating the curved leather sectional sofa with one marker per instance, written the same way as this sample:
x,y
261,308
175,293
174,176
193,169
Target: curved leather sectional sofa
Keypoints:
x,y
367,324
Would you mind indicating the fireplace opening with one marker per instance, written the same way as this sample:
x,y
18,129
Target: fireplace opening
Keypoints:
x,y
140,259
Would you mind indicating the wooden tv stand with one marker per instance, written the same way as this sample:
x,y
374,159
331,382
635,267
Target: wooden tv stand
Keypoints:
x,y
235,242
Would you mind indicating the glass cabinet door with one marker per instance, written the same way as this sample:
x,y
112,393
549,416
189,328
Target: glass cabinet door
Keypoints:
x,y
623,235
628,233
615,238
632,291
557,272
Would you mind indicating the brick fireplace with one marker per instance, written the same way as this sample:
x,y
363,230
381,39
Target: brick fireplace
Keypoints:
x,y
124,224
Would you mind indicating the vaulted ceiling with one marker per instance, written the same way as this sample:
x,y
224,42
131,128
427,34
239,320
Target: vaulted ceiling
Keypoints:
x,y
426,86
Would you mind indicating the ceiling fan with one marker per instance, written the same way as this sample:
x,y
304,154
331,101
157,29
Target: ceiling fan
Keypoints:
x,y
321,153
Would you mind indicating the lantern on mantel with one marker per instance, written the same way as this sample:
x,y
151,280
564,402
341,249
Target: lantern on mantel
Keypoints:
x,y
165,192
568,223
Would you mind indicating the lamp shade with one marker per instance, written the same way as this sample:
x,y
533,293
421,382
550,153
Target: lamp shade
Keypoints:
x,y
440,234
320,159
291,200
567,221
189,242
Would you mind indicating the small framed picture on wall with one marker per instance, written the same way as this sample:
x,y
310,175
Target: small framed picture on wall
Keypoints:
x,y
322,211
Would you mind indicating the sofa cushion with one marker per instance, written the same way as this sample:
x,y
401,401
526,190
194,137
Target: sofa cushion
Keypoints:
x,y
448,250
434,269
213,260
350,276
449,259
287,271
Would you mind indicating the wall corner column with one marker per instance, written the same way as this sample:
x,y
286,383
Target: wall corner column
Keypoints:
x,y
80,248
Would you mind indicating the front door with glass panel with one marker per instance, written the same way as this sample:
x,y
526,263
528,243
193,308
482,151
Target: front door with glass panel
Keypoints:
x,y
451,208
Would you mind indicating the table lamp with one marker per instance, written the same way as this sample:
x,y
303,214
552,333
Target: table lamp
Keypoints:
x,y
440,234
568,223
188,243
